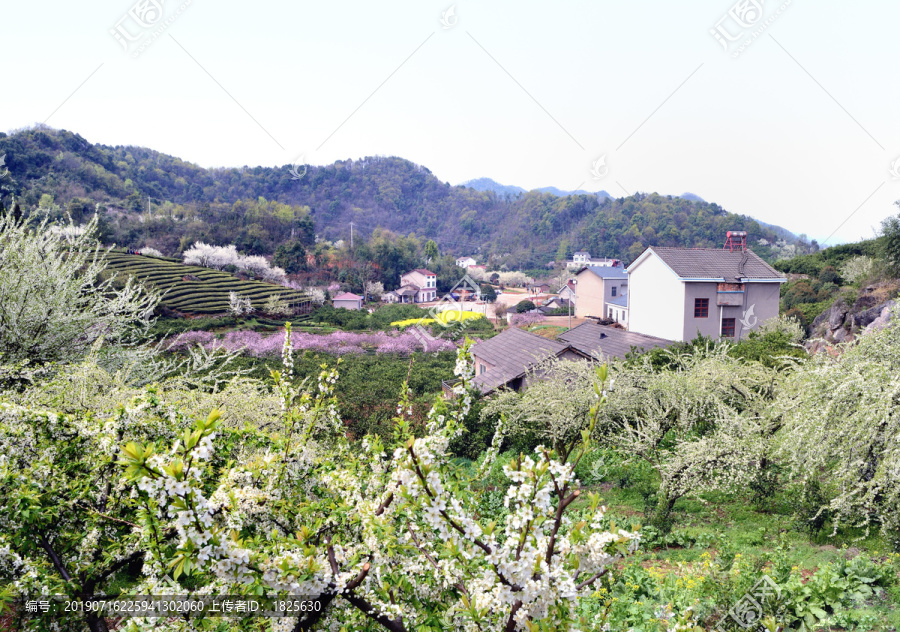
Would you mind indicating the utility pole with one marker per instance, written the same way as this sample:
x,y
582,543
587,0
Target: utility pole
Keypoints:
x,y
351,235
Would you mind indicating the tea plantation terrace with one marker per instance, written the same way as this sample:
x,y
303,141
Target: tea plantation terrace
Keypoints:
x,y
198,290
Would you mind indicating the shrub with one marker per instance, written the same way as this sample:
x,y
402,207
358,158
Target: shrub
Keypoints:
x,y
524,306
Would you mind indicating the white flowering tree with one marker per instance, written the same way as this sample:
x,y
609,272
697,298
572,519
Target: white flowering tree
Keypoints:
x,y
842,429
238,304
151,252
55,300
702,424
276,306
514,278
554,409
68,523
858,268
382,535
220,257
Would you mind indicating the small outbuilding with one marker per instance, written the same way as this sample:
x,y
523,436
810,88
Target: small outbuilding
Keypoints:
x,y
348,301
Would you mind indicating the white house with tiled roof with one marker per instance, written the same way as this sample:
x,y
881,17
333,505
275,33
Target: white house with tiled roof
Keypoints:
x,y
417,286
680,293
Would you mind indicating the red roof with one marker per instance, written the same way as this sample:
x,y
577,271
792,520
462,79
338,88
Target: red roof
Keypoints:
x,y
424,271
347,296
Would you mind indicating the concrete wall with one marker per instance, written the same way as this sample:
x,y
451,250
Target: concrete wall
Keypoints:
x,y
349,304
592,293
618,314
656,300
763,297
708,326
481,366
589,298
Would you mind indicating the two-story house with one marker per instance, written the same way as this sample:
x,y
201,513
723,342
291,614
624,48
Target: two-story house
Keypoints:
x,y
600,290
465,262
417,286
680,293
583,258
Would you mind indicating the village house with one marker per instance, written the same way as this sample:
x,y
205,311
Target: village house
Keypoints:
x,y
348,301
599,293
539,287
555,303
416,286
509,359
682,293
582,259
465,262
567,291
506,359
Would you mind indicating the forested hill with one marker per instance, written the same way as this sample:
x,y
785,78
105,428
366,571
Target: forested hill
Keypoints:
x,y
376,192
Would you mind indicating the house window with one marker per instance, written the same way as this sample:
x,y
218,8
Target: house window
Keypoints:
x,y
614,288
481,368
728,328
701,308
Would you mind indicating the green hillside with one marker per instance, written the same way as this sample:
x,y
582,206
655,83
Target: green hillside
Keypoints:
x,y
206,295
149,198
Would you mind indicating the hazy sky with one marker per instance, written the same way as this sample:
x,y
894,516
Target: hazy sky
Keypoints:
x,y
799,128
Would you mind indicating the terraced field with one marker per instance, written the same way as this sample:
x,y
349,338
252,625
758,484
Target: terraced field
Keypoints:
x,y
206,295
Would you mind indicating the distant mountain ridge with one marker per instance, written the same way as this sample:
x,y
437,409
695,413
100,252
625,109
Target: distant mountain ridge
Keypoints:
x,y
487,184
513,227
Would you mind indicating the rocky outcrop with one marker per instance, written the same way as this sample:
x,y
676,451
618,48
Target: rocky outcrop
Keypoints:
x,y
842,323
883,317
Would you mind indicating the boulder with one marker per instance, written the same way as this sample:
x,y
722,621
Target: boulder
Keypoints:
x,y
862,319
881,321
837,314
830,320
841,335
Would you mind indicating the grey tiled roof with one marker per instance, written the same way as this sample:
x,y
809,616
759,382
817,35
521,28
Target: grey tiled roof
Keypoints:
x,y
607,272
621,301
602,342
714,263
512,353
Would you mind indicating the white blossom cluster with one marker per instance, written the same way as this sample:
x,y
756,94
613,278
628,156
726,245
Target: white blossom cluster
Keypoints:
x,y
218,257
842,428
390,534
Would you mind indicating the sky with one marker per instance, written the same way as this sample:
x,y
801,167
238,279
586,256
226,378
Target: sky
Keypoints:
x,y
784,111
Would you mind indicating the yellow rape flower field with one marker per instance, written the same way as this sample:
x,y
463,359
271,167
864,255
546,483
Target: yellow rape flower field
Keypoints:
x,y
444,318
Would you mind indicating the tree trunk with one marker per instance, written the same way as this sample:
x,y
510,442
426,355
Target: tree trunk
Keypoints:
x,y
97,624
662,515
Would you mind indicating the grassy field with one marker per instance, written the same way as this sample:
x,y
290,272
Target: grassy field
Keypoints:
x,y
206,295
